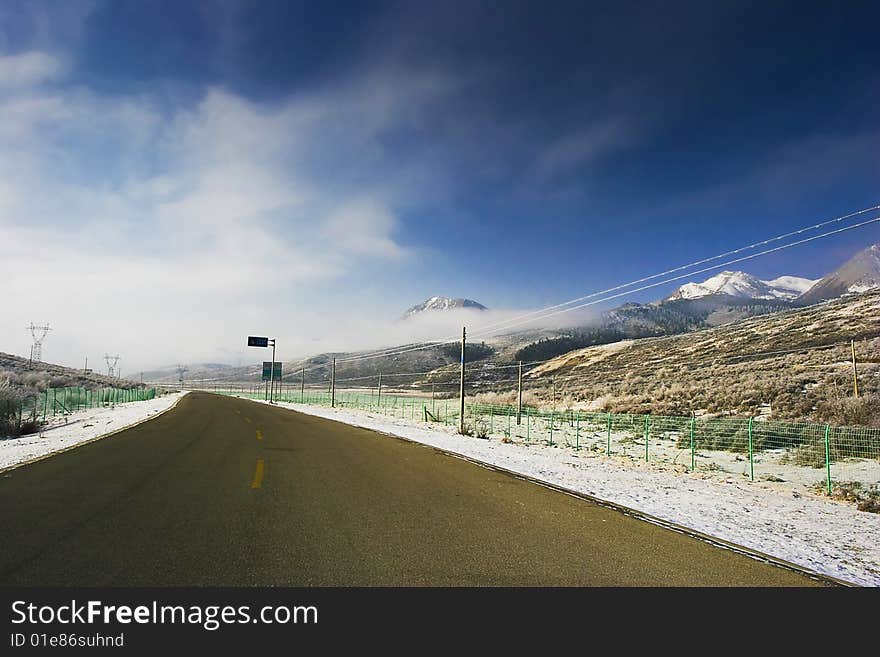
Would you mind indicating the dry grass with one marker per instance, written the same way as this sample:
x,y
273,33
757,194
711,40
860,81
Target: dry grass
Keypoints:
x,y
733,370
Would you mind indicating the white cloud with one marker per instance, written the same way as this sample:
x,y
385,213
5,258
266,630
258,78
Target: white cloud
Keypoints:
x,y
28,69
170,235
362,227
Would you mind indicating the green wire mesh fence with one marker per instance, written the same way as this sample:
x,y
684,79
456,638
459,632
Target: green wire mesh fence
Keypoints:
x,y
756,448
29,411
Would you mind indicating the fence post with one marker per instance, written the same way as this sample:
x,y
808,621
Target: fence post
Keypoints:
x,y
528,424
647,421
693,452
551,428
751,453
828,457
608,445
577,430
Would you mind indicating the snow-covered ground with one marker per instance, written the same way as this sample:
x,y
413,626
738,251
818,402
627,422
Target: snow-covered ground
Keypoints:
x,y
822,535
64,432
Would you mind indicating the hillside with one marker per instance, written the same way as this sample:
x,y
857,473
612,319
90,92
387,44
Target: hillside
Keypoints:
x,y
19,373
757,365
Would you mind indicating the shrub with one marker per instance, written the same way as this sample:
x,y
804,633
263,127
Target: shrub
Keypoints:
x,y
867,499
849,411
11,422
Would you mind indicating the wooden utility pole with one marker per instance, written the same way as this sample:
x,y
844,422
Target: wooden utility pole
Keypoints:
x,y
333,385
852,345
519,397
461,409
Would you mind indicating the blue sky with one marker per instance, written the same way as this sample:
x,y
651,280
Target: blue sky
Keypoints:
x,y
182,173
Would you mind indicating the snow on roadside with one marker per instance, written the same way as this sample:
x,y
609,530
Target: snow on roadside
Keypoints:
x,y
822,535
82,426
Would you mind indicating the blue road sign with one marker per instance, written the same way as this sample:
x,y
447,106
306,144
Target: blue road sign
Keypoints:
x,y
254,341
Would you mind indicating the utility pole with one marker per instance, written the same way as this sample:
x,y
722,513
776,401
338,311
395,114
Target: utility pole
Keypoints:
x,y
519,397
379,395
86,366
852,345
333,385
181,370
302,387
272,374
433,410
461,387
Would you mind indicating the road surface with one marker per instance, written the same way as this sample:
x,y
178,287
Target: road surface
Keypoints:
x,y
227,492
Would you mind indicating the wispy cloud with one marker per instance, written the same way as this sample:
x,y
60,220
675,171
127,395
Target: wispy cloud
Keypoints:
x,y
183,222
584,146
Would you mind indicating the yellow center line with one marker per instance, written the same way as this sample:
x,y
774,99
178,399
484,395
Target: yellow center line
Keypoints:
x,y
259,435
258,474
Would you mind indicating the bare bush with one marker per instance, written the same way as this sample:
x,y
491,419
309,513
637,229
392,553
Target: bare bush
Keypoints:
x,y
862,411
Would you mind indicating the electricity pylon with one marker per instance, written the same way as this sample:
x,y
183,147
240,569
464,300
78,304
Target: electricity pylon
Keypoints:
x,y
38,333
112,362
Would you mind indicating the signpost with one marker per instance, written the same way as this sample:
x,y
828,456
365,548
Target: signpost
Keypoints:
x,y
257,341
270,372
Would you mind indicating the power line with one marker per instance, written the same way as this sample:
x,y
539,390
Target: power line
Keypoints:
x,y
487,330
699,271
688,266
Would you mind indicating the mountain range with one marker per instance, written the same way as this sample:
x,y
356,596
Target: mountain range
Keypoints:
x,y
860,273
727,297
741,284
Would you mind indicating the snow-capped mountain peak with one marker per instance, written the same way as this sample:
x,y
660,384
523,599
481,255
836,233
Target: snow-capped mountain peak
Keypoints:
x,y
860,273
443,303
741,284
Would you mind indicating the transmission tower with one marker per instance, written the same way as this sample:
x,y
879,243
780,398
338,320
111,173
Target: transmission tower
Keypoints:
x,y
112,363
38,333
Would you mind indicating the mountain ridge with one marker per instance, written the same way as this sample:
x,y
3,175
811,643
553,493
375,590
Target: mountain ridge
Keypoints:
x,y
861,273
441,304
741,284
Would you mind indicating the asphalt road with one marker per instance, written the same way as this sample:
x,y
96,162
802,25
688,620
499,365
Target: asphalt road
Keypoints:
x,y
227,492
